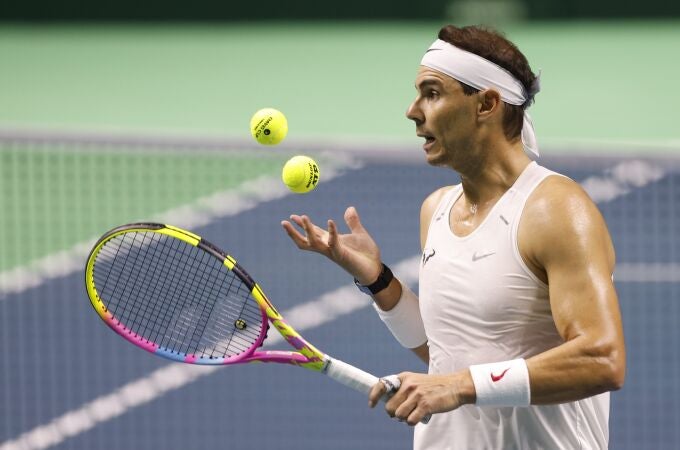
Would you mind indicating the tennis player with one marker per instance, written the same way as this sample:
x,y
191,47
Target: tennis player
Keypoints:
x,y
517,314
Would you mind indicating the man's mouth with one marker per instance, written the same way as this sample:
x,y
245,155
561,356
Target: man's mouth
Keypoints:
x,y
429,141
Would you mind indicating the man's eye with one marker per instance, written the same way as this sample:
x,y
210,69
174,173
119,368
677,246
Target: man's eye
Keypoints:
x,y
432,94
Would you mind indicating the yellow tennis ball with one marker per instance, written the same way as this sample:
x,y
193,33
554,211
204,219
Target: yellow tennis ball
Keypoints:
x,y
300,174
268,126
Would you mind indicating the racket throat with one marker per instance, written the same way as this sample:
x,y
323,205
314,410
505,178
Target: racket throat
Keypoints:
x,y
326,361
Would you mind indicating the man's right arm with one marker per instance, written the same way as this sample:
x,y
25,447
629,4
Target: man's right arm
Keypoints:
x,y
386,300
358,255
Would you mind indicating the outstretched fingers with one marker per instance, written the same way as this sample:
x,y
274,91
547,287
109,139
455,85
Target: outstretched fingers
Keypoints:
x,y
332,235
353,221
295,235
314,237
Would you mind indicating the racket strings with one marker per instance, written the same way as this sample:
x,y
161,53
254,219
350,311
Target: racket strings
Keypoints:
x,y
145,316
135,315
186,333
223,317
158,314
176,295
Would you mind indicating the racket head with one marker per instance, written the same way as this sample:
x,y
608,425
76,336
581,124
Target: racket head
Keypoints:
x,y
178,296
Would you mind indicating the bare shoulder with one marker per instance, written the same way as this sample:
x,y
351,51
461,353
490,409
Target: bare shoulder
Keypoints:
x,y
558,201
561,221
427,210
431,201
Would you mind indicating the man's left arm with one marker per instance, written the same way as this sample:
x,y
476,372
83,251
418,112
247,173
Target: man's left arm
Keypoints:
x,y
570,242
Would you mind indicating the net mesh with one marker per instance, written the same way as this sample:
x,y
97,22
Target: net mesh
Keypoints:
x,y
56,196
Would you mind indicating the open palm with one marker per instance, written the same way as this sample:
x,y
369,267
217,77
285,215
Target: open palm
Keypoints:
x,y
356,251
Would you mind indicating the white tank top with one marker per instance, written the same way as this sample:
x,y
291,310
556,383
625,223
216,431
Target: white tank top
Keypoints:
x,y
480,303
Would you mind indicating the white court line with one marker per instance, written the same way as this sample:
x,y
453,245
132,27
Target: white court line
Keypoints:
x,y
647,273
191,216
622,179
615,182
325,309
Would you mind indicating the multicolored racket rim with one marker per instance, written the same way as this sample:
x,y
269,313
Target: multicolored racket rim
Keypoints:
x,y
110,270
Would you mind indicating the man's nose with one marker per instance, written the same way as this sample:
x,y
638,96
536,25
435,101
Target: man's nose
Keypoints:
x,y
414,113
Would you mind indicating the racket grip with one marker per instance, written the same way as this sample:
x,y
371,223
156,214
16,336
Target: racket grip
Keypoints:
x,y
361,381
350,376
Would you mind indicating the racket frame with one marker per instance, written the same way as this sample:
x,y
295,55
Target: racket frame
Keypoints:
x,y
306,356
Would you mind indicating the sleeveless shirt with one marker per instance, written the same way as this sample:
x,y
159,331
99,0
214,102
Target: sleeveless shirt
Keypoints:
x,y
480,303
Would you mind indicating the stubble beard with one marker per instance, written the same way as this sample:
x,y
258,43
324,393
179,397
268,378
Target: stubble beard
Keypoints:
x,y
461,158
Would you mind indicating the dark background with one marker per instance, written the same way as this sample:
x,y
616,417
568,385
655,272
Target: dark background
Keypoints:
x,y
175,10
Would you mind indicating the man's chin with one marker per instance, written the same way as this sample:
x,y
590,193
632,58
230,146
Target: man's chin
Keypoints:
x,y
435,158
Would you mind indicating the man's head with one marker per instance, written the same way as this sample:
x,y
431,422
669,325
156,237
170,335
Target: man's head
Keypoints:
x,y
494,47
456,114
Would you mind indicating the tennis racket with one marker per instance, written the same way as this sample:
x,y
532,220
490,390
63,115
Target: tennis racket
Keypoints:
x,y
178,296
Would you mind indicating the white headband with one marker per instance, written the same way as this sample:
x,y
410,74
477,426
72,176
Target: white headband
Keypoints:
x,y
480,73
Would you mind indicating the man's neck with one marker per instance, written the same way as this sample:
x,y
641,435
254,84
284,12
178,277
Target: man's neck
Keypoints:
x,y
496,172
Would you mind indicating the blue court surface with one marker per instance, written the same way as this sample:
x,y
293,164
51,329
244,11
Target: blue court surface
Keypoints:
x,y
58,357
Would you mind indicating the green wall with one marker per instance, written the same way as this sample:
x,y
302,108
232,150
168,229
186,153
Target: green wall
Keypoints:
x,y
610,82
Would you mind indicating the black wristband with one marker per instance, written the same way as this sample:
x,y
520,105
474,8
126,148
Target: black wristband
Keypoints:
x,y
384,279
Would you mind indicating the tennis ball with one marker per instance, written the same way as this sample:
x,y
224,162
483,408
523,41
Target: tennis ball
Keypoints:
x,y
300,174
268,126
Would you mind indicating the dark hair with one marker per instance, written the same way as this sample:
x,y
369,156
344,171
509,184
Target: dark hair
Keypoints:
x,y
493,46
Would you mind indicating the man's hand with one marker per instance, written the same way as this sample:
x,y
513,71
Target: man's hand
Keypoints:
x,y
421,395
355,252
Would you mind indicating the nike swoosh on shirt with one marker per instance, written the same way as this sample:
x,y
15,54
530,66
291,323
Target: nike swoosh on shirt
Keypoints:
x,y
495,378
476,257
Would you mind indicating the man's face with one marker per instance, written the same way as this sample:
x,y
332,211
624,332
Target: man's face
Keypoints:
x,y
444,116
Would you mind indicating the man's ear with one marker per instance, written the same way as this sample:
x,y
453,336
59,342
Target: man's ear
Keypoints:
x,y
489,103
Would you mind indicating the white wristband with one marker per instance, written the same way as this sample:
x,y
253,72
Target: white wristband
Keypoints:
x,y
404,321
503,383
